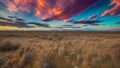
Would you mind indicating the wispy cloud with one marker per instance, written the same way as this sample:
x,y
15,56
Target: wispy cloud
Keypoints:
x,y
39,24
88,22
19,22
92,16
5,19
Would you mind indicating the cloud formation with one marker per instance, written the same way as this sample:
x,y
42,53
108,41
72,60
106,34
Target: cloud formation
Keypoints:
x,y
14,24
115,10
87,22
19,19
5,19
48,10
19,22
39,24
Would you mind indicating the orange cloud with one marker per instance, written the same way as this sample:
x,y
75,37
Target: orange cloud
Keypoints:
x,y
115,10
49,9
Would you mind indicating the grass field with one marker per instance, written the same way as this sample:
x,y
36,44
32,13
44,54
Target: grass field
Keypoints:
x,y
59,50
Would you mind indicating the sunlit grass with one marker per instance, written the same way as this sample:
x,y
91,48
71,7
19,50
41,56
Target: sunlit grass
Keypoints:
x,y
59,50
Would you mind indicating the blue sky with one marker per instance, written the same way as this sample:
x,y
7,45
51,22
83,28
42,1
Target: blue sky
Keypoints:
x,y
79,21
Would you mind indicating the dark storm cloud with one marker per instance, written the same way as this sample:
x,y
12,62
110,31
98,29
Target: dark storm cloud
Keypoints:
x,y
49,9
39,24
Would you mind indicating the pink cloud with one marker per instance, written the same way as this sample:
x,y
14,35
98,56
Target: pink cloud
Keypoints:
x,y
48,10
115,10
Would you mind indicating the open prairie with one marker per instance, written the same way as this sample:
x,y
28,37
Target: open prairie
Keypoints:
x,y
59,50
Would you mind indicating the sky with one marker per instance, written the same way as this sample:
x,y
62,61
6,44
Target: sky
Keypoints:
x,y
60,15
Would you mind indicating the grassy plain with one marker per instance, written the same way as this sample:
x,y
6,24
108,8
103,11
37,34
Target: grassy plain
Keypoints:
x,y
59,50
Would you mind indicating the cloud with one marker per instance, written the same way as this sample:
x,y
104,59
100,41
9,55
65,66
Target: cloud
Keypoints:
x,y
117,22
16,18
93,16
49,9
5,19
39,24
11,16
19,19
68,20
46,19
9,22
87,22
67,25
19,22
115,10
3,23
70,27
14,24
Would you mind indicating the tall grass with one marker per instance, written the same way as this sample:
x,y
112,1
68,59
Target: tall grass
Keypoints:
x,y
59,50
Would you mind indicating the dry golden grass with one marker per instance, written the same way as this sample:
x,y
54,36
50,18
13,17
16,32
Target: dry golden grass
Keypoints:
x,y
59,50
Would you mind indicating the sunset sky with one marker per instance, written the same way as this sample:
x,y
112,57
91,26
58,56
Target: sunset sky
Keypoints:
x,y
87,15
